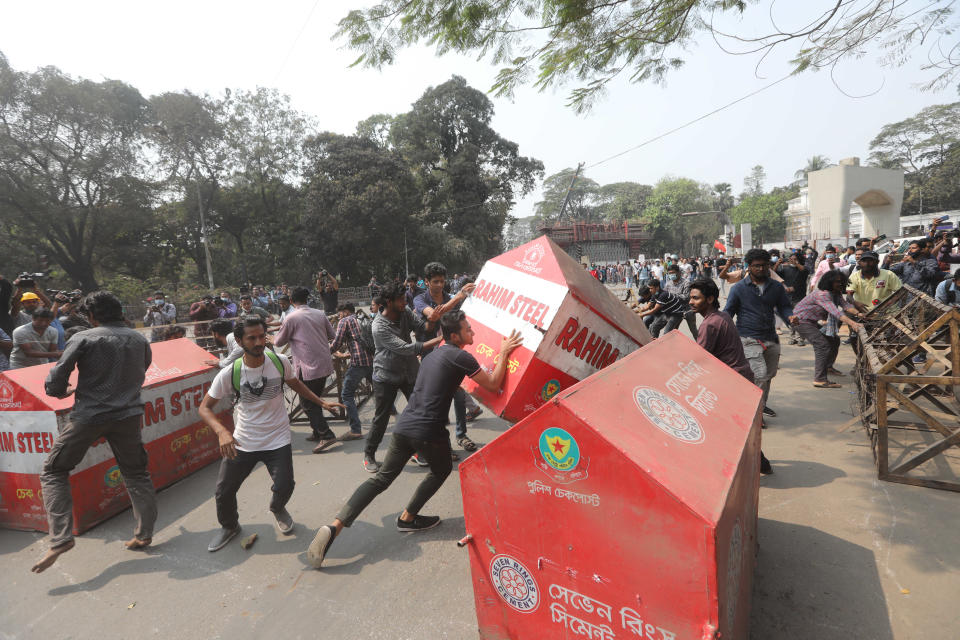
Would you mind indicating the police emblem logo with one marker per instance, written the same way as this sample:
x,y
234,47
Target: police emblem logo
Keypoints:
x,y
559,449
550,388
668,415
514,583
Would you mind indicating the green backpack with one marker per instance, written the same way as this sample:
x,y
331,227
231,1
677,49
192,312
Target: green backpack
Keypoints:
x,y
238,365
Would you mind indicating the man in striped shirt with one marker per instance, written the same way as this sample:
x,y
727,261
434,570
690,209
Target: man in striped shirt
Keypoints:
x,y
361,365
664,310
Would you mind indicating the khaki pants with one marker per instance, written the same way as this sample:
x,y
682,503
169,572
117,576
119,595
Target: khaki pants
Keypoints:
x,y
71,445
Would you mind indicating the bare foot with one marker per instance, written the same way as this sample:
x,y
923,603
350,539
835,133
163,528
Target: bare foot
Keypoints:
x,y
52,554
135,543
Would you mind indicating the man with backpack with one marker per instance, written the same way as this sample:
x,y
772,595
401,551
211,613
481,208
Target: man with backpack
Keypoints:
x,y
357,334
261,431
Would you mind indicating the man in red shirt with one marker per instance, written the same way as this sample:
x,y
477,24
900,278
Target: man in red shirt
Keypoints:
x,y
718,336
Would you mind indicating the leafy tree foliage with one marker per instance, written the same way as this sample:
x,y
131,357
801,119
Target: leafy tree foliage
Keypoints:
x,y
551,42
581,204
753,183
764,213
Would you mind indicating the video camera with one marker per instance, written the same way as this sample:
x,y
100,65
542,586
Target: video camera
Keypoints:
x,y
67,296
29,280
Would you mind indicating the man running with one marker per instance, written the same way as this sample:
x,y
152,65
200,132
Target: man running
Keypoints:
x,y
112,361
422,427
261,431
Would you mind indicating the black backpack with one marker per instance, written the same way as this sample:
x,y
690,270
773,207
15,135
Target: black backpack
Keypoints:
x,y
366,333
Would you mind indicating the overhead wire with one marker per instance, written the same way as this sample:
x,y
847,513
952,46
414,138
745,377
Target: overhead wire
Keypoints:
x,y
293,45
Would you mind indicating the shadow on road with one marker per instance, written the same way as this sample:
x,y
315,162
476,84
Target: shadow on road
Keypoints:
x,y
810,584
792,474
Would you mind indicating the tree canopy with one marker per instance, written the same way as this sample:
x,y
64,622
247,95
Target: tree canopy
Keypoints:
x,y
559,42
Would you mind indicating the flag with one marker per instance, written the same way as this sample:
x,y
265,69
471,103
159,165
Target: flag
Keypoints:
x,y
719,246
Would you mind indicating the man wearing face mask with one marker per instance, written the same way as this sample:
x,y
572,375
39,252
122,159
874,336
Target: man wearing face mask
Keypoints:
x,y
870,285
226,308
679,286
830,261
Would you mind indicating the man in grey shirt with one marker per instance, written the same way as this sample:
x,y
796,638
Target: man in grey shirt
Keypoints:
x,y
112,361
35,342
395,363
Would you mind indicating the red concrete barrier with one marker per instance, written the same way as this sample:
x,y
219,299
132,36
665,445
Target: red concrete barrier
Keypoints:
x,y
626,507
572,325
176,440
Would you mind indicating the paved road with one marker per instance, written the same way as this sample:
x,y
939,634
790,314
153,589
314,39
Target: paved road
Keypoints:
x,y
838,548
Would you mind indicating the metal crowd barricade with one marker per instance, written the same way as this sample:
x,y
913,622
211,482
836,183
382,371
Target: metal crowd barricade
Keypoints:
x,y
911,409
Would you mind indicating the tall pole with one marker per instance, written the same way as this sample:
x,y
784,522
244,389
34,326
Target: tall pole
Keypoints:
x,y
406,257
566,198
203,237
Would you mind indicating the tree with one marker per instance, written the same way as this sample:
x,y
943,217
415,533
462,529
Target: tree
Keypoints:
x,y
764,213
467,174
753,183
814,163
358,197
623,200
581,205
942,187
560,41
670,198
722,196
917,145
70,171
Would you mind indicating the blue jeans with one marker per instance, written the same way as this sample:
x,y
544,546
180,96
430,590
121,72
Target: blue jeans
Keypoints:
x,y
351,380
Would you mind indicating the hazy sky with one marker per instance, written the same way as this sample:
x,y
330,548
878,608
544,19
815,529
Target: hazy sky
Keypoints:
x,y
208,46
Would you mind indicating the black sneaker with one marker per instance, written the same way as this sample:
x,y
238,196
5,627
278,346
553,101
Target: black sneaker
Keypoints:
x,y
318,548
284,521
419,523
767,411
417,458
370,464
222,537
765,468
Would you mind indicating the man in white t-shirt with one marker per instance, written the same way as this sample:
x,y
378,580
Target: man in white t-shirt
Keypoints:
x,y
261,430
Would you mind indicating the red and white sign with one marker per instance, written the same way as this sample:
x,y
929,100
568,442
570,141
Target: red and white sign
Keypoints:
x,y
572,326
176,440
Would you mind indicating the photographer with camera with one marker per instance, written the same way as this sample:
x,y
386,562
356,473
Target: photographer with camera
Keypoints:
x,y
329,290
202,311
159,311
27,298
943,244
226,308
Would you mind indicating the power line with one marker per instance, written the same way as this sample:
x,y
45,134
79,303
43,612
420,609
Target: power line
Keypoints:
x,y
694,121
293,44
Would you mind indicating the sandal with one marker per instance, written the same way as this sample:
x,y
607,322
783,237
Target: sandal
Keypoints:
x,y
827,385
467,444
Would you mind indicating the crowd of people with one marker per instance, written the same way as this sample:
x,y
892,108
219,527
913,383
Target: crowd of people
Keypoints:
x,y
411,342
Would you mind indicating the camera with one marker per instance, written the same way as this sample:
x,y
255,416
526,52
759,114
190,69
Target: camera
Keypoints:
x,y
29,280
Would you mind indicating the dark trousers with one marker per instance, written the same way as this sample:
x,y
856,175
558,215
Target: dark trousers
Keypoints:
x,y
665,322
825,349
384,394
351,379
279,463
460,411
399,451
71,445
318,423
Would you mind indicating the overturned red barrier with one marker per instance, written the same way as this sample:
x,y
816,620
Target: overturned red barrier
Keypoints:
x,y
626,507
176,440
572,325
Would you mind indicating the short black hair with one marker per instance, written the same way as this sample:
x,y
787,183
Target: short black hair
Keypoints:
x,y
707,287
829,278
347,306
300,295
246,296
283,296
922,243
756,254
956,274
391,291
42,312
175,330
450,323
221,327
653,282
248,321
434,269
643,291
674,267
103,306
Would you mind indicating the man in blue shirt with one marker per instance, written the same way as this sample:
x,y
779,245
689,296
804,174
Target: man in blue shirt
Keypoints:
x,y
754,301
948,291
